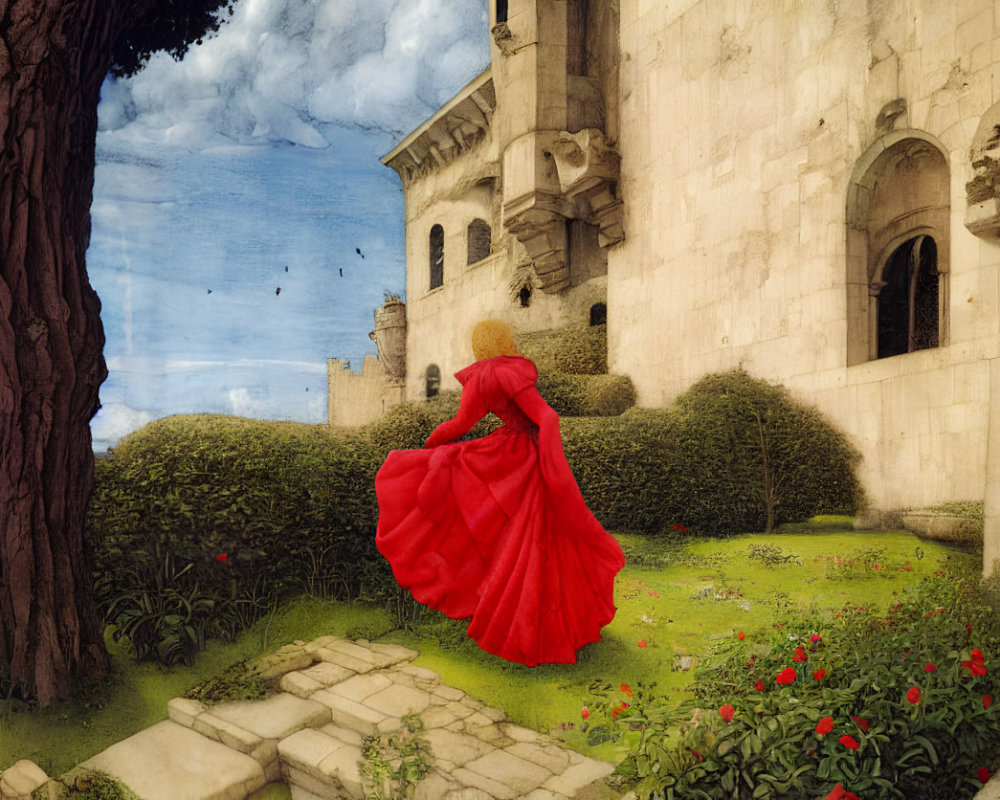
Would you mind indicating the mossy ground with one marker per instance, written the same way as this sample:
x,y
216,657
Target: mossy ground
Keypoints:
x,y
678,600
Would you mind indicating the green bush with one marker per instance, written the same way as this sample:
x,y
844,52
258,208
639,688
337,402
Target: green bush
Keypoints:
x,y
700,464
903,708
574,349
586,395
228,514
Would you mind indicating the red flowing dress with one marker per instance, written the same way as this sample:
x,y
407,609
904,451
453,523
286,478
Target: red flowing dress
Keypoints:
x,y
496,528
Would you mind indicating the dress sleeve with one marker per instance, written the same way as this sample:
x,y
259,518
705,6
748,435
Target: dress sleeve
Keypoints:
x,y
552,460
471,409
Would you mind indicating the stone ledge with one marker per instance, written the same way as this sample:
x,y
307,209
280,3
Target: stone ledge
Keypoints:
x,y
19,780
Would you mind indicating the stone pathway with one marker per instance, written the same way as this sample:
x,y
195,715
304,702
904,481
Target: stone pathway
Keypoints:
x,y
309,737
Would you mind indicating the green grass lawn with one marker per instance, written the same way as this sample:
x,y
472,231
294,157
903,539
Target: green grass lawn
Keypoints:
x,y
677,598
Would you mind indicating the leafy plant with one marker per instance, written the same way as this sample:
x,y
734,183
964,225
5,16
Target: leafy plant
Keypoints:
x,y
82,784
392,766
896,705
238,681
771,555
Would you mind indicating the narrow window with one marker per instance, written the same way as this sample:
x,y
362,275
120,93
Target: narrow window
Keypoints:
x,y
525,296
479,237
908,300
433,379
437,256
501,10
598,314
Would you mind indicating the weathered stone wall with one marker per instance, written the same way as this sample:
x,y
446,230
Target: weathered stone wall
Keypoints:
x,y
357,398
745,130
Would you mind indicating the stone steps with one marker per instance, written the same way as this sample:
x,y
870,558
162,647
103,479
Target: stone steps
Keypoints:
x,y
310,736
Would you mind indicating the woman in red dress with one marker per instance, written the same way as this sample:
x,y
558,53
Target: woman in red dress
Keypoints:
x,y
496,528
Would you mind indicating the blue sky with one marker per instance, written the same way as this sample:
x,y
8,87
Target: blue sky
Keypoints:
x,y
252,166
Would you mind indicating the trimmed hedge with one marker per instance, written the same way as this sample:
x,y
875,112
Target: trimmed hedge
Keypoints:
x,y
199,523
587,395
574,349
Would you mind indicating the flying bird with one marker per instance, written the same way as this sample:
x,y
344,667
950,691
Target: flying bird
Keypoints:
x,y
341,272
286,268
209,291
358,251
278,290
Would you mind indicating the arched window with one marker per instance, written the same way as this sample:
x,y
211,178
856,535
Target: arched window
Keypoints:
x,y
898,221
598,314
525,295
437,256
479,238
433,380
908,299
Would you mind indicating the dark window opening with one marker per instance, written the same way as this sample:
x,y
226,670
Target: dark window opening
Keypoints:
x,y
525,296
433,380
908,300
501,10
437,256
479,238
598,314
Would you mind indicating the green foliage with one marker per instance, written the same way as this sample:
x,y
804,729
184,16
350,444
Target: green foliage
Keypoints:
x,y
392,766
701,464
586,395
971,510
574,349
83,784
771,555
238,681
198,524
904,686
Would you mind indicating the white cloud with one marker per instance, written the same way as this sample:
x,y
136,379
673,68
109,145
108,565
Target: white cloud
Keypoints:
x,y
114,421
245,404
280,70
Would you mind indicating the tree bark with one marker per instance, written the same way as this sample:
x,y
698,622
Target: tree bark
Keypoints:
x,y
54,55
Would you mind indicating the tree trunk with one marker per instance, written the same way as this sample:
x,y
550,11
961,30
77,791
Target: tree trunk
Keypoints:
x,y
54,55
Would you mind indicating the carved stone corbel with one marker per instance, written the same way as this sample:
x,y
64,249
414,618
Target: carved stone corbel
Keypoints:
x,y
588,169
541,229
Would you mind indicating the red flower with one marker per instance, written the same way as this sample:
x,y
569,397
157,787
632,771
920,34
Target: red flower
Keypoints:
x,y
786,676
800,654
678,527
697,755
759,686
930,668
615,712
741,636
222,557
975,667
987,700
627,689
815,638
862,723
819,674
977,655
838,793
824,726
624,705
983,774
585,713
726,712
641,644
654,594
913,694
849,742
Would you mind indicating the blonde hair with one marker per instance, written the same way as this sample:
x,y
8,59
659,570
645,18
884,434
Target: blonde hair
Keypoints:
x,y
491,338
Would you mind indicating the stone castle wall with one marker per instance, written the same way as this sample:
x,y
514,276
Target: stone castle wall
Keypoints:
x,y
746,132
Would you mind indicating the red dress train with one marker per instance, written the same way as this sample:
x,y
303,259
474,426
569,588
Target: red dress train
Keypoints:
x,y
496,528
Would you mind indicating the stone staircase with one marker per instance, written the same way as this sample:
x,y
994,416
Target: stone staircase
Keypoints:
x,y
309,737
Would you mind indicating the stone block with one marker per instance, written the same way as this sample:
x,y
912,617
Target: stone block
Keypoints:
x,y
258,748
519,733
394,651
490,734
477,720
494,714
551,758
357,651
169,761
299,684
350,714
448,692
492,787
433,787
458,748
511,771
460,710
298,793
184,710
327,674
342,765
306,750
21,779
276,717
422,674
286,659
468,793
437,717
360,687
398,700
578,776
343,660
